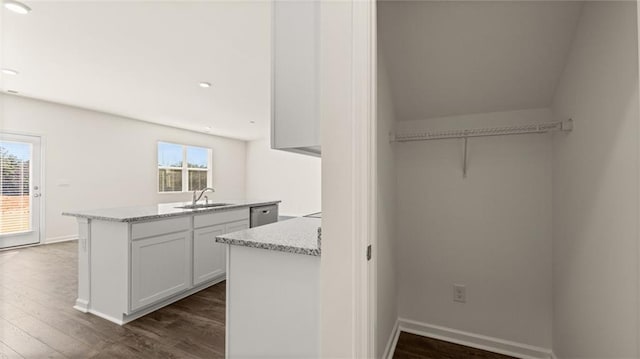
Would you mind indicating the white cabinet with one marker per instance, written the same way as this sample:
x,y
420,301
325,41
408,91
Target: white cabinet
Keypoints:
x,y
236,226
295,93
129,269
160,267
209,257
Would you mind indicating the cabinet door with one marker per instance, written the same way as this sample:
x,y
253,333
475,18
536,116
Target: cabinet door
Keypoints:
x,y
160,268
208,256
233,227
295,92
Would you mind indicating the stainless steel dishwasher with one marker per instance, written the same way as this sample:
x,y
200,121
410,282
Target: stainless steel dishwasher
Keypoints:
x,y
264,215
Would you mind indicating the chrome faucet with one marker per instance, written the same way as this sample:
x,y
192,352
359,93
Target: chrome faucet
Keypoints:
x,y
197,197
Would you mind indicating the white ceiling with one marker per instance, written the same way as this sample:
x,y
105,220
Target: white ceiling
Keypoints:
x,y
144,60
447,58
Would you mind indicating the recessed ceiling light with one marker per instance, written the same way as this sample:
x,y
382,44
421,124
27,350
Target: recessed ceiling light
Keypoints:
x,y
12,91
17,7
205,85
9,71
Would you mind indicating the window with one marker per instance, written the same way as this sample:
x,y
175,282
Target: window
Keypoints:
x,y
15,170
183,168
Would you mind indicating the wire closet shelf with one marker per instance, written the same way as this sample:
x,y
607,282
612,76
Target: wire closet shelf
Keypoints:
x,y
545,127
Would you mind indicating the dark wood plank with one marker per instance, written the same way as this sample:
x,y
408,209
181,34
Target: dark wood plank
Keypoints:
x,y
411,346
54,338
38,289
24,344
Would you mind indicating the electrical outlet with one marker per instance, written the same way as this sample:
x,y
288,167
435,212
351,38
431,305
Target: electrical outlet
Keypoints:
x,y
459,293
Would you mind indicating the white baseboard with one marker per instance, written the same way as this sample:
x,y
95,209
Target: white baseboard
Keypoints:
x,y
60,239
82,305
46,241
391,343
85,307
496,345
107,317
126,318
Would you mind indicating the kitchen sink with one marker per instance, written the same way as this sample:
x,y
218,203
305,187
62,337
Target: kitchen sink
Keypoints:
x,y
203,205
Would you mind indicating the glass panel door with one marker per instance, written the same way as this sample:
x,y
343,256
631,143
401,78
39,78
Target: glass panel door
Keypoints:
x,y
20,194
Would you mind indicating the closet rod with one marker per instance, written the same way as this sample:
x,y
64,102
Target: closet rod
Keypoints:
x,y
545,127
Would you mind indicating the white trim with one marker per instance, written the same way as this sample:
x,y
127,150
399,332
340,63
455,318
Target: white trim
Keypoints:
x,y
372,46
478,341
43,191
392,342
43,142
82,305
226,306
363,185
104,316
43,194
83,300
54,240
60,239
21,246
638,221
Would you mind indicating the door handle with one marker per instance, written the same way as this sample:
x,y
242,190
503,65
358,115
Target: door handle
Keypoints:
x,y
36,195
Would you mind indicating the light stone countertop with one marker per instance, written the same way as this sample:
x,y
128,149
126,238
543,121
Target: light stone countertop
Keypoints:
x,y
299,235
163,210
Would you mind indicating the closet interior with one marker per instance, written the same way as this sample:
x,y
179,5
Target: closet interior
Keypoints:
x,y
508,176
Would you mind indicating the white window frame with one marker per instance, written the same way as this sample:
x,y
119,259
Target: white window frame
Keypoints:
x,y
185,169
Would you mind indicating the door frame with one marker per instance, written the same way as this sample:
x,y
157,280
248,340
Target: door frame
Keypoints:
x,y
638,227
41,222
349,200
364,80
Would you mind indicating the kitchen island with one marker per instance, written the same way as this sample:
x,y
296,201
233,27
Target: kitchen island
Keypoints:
x,y
134,260
273,290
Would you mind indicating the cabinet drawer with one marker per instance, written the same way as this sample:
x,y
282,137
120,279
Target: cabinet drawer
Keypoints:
x,y
236,226
159,227
215,218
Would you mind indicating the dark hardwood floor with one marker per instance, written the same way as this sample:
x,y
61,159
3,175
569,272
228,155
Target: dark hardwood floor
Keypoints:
x,y
411,346
38,290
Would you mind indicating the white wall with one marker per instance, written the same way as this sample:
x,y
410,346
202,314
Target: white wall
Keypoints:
x,y
109,161
291,177
385,248
448,58
490,231
595,183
